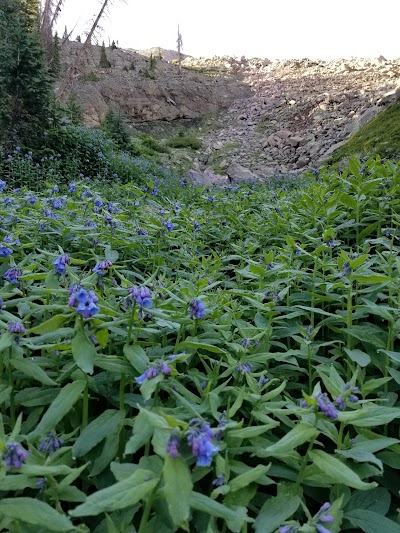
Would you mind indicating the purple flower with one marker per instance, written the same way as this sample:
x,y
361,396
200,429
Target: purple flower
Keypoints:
x,y
142,296
41,484
84,301
72,187
199,437
4,251
102,267
326,406
197,308
173,445
51,444
219,480
57,203
169,225
263,380
2,185
322,529
13,274
15,455
150,373
288,529
16,327
346,269
60,263
245,368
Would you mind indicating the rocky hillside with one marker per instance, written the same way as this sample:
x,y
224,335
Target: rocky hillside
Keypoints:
x,y
144,90
269,117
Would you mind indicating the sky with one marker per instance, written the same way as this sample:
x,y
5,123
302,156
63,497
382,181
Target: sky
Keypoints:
x,y
287,29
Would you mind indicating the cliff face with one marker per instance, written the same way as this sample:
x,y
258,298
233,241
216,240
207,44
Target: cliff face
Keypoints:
x,y
144,90
271,117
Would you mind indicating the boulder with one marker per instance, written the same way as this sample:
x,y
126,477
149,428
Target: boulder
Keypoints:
x,y
237,173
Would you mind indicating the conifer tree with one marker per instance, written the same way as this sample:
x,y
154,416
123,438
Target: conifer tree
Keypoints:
x,y
25,86
55,57
104,63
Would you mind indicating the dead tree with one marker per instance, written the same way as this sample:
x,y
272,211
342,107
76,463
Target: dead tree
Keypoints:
x,y
180,46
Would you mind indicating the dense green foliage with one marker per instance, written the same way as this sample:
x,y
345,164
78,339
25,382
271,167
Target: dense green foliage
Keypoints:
x,y
266,312
25,87
379,136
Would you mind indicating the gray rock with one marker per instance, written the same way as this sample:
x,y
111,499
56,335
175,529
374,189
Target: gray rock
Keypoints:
x,y
237,173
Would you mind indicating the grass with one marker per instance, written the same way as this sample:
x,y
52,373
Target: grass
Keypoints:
x,y
379,136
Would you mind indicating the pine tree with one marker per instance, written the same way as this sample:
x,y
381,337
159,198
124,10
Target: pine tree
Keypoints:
x,y
78,39
55,57
25,86
104,63
179,43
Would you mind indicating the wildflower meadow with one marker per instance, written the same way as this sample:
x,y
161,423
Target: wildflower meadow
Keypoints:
x,y
176,357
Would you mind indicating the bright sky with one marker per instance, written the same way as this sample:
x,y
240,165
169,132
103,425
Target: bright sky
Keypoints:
x,y
315,29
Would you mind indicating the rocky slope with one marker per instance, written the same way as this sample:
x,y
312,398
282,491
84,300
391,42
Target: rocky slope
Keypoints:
x,y
145,91
269,117
299,111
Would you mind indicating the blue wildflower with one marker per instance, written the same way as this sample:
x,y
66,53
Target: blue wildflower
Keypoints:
x,y
72,187
244,368
102,267
199,437
173,445
219,480
153,371
4,251
13,274
60,263
16,327
51,444
197,308
3,184
326,406
84,301
15,455
169,225
41,484
57,203
142,296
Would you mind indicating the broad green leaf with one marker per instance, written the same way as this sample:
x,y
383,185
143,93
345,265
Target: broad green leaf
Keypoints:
x,y
359,357
251,476
371,522
33,370
83,351
336,471
377,500
63,403
235,518
372,278
252,431
300,434
370,416
394,356
200,346
368,333
96,431
125,493
237,403
275,511
137,357
35,512
53,324
177,489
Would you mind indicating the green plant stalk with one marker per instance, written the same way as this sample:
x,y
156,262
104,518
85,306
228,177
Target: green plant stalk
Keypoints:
x,y
130,324
349,320
11,381
85,403
304,462
121,446
146,511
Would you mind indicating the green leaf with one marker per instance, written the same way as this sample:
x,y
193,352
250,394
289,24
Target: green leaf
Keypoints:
x,y
252,431
370,416
371,522
111,255
33,370
377,500
137,357
83,351
372,278
251,476
64,402
368,333
337,472
53,324
359,357
35,512
177,489
235,518
125,493
201,345
276,510
237,403
96,431
300,434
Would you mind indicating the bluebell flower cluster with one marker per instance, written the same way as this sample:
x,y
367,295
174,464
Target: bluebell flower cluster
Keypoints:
x,y
15,455
5,251
219,480
199,437
197,308
323,517
347,394
244,368
158,367
51,444
141,295
60,263
13,275
16,327
326,406
173,445
168,224
102,267
3,184
346,269
41,484
84,301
